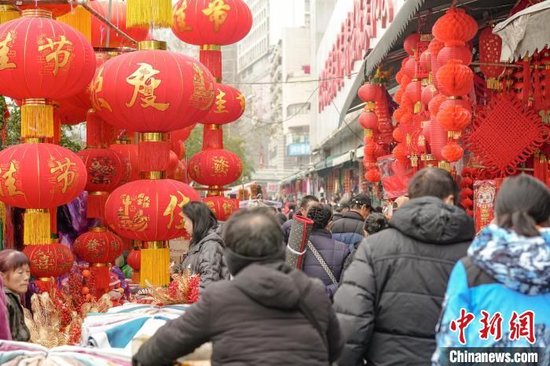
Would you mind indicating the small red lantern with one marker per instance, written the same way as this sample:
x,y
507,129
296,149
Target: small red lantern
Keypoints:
x,y
40,176
413,92
215,167
448,53
117,14
452,152
455,26
400,152
398,134
49,260
435,104
455,79
370,92
373,175
369,121
454,119
428,92
411,43
134,259
221,206
99,247
228,106
490,48
149,210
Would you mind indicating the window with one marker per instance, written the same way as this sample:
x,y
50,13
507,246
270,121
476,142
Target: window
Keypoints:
x,y
298,108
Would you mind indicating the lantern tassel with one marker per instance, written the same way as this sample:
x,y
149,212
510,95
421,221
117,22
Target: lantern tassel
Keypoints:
x,y
45,284
211,57
36,227
100,275
36,120
155,267
53,221
8,12
96,204
135,276
153,156
140,13
80,19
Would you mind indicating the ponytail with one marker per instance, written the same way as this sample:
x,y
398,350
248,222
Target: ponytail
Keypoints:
x,y
524,224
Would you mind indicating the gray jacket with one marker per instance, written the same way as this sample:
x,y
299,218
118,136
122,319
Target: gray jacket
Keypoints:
x,y
206,259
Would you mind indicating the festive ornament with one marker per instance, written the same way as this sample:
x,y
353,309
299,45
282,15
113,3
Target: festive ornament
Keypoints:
x,y
455,26
228,106
49,260
147,13
448,53
215,167
221,206
454,119
129,156
490,47
410,44
373,175
370,92
452,152
455,79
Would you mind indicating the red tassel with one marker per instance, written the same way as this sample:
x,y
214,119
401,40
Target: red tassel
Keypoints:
x,y
212,137
211,57
45,284
526,81
153,156
96,205
100,276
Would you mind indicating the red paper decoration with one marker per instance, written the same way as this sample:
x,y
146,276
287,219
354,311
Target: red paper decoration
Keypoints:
x,y
40,176
149,210
152,91
228,106
373,175
455,79
454,117
369,120
448,53
452,152
490,47
216,167
49,260
455,26
104,167
221,206
410,44
370,92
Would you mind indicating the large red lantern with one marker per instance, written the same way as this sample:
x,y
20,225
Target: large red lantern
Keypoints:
x,y
40,176
129,155
455,26
117,13
99,247
57,10
211,24
215,167
152,91
149,210
44,59
228,106
47,261
221,206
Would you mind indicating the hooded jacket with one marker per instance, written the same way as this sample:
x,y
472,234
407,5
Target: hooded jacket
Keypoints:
x,y
349,229
253,320
16,317
503,273
390,296
206,259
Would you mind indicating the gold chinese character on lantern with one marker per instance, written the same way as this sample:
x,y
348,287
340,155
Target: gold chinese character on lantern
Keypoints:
x,y
201,97
145,83
227,208
5,48
63,172
43,260
242,101
95,88
220,102
181,23
92,245
221,165
169,211
57,51
217,13
131,217
9,180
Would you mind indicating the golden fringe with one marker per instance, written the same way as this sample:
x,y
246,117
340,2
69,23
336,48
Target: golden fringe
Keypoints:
x,y
36,227
155,267
80,19
36,121
8,12
140,13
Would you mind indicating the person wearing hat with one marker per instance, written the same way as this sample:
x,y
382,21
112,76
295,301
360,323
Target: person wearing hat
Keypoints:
x,y
269,314
349,228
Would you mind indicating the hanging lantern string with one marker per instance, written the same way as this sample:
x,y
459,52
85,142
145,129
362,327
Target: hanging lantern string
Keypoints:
x,y
503,64
85,5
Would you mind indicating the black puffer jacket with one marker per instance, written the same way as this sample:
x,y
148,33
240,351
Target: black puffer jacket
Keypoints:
x,y
349,229
206,259
253,320
390,297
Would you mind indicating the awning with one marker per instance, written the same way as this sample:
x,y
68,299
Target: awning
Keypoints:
x,y
524,32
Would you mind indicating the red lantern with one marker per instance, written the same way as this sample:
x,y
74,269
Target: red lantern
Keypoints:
x,y
221,206
215,167
398,134
455,26
228,106
369,120
149,210
129,157
45,59
172,165
409,70
69,114
435,104
99,247
454,118
134,259
104,167
183,134
400,152
373,175
40,175
117,14
211,25
490,48
57,10
411,43
49,260
428,92
452,152
370,92
413,92
152,91
448,53
455,79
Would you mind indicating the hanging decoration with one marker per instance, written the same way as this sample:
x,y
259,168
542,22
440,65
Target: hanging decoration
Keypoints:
x,y
490,48
47,261
145,13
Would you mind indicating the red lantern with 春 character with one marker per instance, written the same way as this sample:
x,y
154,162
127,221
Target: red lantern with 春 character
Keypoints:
x,y
221,206
99,247
45,60
216,167
47,261
149,210
228,106
40,176
211,24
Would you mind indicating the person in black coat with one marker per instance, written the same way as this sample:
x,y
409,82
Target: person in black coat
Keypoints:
x,y
304,206
390,297
333,252
269,314
349,229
